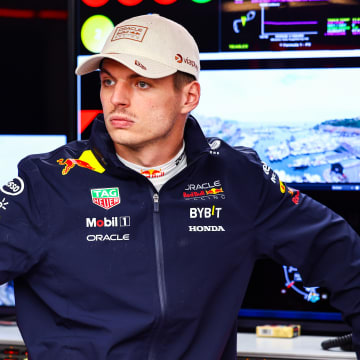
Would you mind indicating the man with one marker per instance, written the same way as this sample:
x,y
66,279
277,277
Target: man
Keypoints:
x,y
139,243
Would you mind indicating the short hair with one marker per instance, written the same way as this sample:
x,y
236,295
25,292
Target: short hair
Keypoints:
x,y
181,79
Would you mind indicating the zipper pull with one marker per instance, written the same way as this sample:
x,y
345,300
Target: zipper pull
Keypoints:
x,y
156,202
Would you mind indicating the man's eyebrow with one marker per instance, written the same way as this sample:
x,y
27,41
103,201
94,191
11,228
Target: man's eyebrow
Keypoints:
x,y
131,76
103,70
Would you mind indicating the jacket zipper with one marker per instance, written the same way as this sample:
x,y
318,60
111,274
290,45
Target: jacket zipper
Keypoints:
x,y
160,272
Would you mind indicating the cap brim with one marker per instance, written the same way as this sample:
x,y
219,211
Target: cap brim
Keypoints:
x,y
141,65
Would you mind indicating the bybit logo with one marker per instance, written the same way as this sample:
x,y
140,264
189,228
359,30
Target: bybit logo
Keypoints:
x,y
205,212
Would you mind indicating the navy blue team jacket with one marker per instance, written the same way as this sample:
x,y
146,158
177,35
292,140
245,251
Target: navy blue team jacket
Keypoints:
x,y
106,268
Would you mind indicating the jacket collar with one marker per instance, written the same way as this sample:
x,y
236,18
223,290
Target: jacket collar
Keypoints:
x,y
103,147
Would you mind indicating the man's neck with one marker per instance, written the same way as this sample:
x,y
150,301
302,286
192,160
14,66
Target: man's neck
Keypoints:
x,y
159,175
150,155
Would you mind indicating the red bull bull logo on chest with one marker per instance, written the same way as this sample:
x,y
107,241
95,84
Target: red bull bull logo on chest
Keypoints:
x,y
70,163
87,160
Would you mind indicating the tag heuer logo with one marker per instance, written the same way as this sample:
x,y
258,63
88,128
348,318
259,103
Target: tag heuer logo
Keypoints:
x,y
106,198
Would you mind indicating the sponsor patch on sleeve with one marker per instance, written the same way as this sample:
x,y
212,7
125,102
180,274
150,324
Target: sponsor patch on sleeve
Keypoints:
x,y
14,187
270,173
284,189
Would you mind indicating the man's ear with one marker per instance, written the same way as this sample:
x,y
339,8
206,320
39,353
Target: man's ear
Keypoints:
x,y
191,96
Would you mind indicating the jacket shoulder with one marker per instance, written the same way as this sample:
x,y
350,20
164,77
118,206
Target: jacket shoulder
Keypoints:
x,y
247,152
221,147
70,150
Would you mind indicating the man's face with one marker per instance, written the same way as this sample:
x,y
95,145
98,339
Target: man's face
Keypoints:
x,y
139,111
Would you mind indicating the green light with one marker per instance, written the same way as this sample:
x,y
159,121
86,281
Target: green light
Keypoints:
x,y
201,1
94,32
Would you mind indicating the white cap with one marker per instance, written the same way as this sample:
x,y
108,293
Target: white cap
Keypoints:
x,y
150,45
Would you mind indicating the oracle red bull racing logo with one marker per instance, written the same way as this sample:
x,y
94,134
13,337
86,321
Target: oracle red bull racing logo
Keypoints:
x,y
213,190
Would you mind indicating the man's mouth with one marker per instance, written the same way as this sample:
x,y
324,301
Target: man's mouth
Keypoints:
x,y
121,122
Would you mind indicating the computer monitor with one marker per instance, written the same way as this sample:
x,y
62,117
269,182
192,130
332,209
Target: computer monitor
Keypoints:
x,y
277,295
303,122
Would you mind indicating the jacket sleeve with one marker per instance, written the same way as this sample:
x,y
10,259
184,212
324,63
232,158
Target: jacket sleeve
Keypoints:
x,y
293,229
22,223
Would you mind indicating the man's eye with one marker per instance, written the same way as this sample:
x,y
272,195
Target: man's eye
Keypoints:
x,y
142,85
108,82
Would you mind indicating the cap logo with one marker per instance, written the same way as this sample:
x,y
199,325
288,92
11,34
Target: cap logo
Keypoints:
x,y
138,63
191,63
178,58
129,32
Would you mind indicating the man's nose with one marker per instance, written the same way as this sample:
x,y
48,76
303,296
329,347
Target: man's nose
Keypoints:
x,y
121,94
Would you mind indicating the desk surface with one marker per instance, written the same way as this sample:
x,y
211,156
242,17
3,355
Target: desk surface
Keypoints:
x,y
304,347
247,345
10,334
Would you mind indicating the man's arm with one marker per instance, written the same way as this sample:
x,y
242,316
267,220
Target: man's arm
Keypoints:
x,y
22,224
293,229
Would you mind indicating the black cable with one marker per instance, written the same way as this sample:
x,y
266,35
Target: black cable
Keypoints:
x,y
344,342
